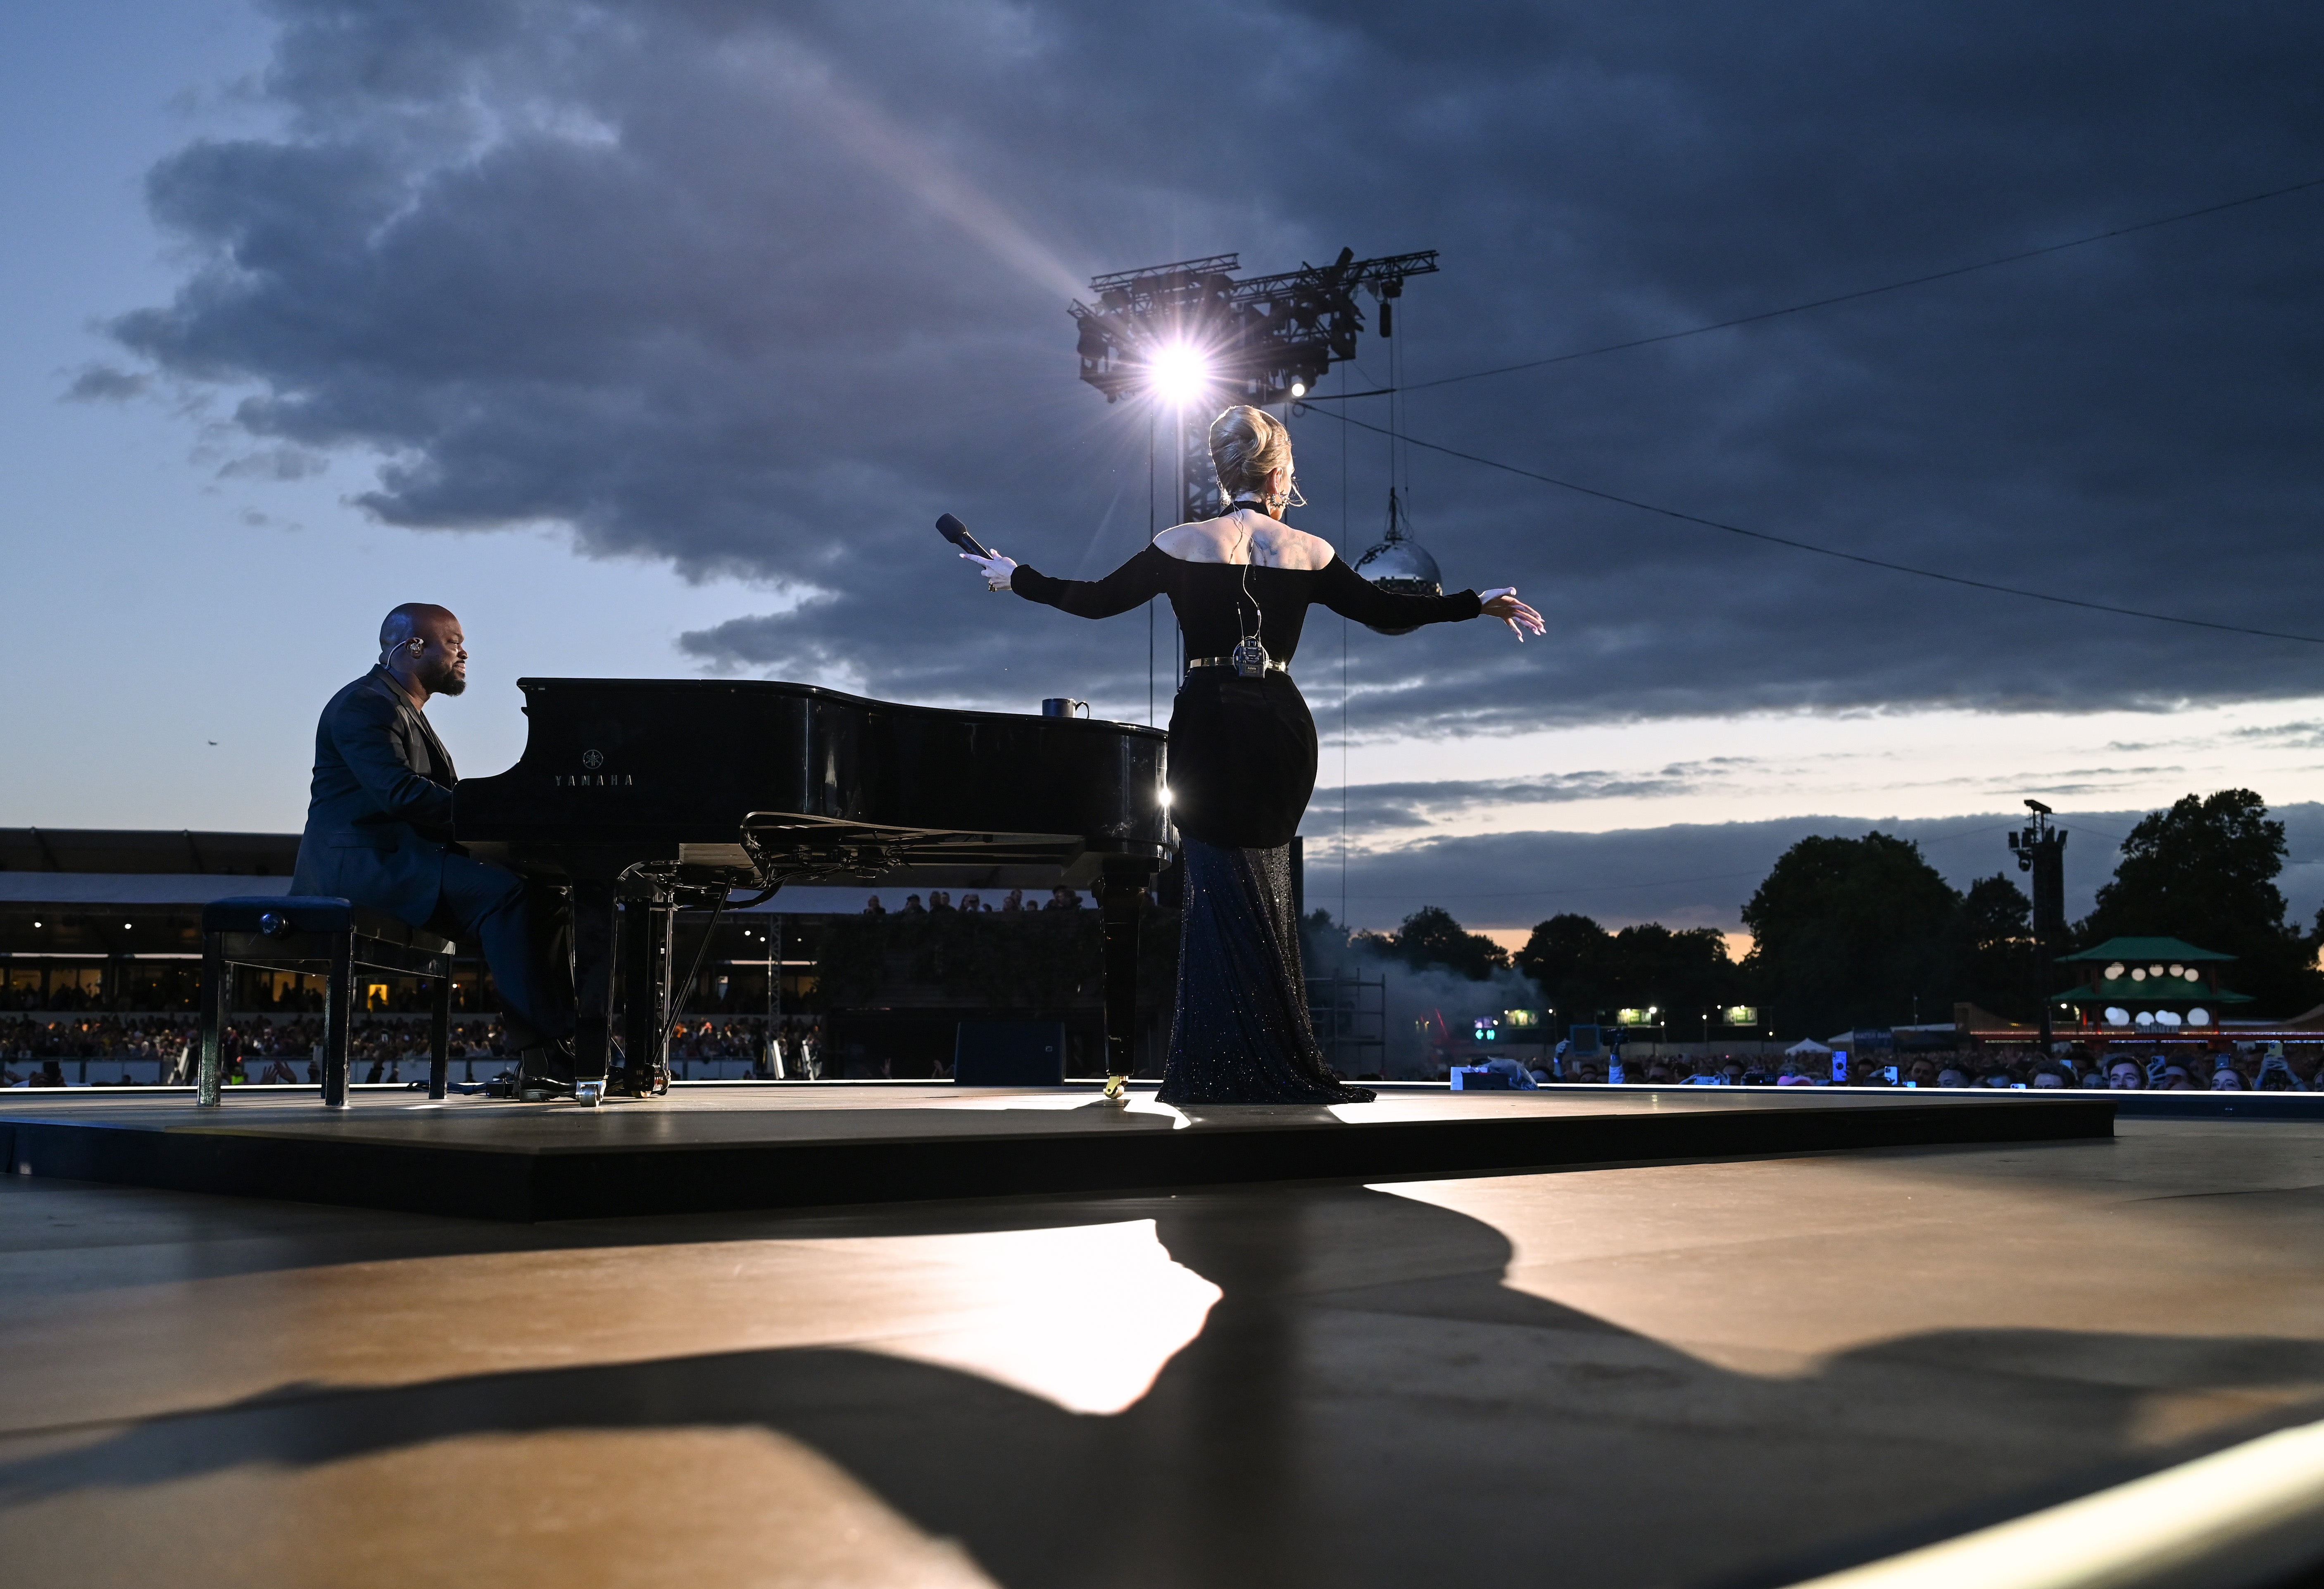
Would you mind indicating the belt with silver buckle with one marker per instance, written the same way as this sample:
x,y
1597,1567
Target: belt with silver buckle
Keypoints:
x,y
1272,666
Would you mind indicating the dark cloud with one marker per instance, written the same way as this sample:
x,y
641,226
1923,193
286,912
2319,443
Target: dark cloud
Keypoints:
x,y
1697,875
761,291
1372,806
277,463
102,383
2303,736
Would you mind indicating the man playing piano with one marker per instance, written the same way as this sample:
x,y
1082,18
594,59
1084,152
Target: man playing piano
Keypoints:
x,y
378,827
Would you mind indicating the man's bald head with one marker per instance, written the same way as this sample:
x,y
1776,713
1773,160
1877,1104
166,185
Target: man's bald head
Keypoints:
x,y
421,644
399,627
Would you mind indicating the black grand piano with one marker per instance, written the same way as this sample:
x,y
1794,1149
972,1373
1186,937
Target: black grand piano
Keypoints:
x,y
642,794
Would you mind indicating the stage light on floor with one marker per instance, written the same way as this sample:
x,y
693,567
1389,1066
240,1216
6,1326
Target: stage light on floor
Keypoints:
x,y
1179,373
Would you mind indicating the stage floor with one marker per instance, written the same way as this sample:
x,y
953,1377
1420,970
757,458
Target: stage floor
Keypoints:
x,y
712,1149
1714,1374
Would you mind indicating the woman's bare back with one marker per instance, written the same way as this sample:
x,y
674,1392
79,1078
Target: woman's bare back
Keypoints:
x,y
1245,535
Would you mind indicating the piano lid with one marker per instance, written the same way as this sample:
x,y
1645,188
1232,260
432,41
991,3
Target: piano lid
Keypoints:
x,y
820,782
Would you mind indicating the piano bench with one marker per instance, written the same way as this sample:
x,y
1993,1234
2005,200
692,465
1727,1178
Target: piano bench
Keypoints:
x,y
300,933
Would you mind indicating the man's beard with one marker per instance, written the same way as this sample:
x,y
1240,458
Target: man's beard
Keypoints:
x,y
446,683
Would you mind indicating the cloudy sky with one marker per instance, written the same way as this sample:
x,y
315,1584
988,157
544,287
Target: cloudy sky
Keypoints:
x,y
652,336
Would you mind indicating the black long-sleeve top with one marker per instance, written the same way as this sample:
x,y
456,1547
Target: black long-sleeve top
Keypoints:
x,y
1242,751
1214,612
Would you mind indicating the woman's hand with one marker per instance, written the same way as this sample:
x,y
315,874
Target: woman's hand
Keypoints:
x,y
1503,605
996,569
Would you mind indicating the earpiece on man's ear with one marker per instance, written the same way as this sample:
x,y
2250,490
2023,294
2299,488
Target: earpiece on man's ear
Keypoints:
x,y
415,646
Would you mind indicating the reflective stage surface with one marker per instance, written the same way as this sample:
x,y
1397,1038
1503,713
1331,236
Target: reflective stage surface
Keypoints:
x,y
723,1148
1699,1373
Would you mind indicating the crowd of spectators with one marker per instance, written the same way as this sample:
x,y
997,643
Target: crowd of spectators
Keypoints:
x,y
940,901
795,1054
2251,1067
133,1037
120,1051
117,1050
162,1049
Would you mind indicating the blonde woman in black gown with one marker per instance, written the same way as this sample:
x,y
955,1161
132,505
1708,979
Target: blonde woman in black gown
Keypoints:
x,y
1242,754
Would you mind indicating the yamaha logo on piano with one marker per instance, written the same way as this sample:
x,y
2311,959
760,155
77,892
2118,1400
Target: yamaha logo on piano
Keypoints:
x,y
592,759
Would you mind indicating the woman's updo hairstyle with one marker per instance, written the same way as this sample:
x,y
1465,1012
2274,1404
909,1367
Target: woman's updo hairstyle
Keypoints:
x,y
1247,445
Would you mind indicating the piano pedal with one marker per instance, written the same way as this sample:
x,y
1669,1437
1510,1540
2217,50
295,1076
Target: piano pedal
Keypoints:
x,y
537,1080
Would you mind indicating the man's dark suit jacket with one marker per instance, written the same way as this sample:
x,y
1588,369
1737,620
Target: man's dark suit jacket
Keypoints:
x,y
380,813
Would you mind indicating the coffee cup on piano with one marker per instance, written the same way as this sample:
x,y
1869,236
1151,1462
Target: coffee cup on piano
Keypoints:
x,y
1064,706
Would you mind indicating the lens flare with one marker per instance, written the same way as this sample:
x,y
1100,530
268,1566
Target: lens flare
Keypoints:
x,y
1179,373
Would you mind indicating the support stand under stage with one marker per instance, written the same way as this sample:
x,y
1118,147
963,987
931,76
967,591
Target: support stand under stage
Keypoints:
x,y
1122,897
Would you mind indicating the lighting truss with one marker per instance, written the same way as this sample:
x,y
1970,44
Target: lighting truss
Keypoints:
x,y
1258,337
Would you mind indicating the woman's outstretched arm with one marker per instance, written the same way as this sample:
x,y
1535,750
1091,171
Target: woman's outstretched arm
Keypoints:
x,y
1352,595
1138,581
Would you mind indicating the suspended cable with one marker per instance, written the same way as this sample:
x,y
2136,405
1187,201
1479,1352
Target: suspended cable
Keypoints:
x,y
1799,545
1819,303
1346,546
1150,541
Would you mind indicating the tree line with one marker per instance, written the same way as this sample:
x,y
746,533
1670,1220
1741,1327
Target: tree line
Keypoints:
x,y
1864,932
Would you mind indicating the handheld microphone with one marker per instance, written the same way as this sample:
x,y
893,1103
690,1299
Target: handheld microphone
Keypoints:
x,y
955,532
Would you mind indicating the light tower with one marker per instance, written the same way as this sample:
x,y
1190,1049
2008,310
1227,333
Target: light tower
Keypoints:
x,y
1189,334
2042,850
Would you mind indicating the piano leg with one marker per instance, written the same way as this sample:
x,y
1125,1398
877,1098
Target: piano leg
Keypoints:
x,y
645,993
1121,899
656,1070
440,1030
593,982
339,1020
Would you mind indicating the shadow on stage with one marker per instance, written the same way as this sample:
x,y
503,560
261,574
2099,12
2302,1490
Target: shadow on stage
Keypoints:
x,y
1367,1404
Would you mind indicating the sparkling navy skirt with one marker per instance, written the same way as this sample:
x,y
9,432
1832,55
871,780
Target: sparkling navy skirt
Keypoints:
x,y
1241,1032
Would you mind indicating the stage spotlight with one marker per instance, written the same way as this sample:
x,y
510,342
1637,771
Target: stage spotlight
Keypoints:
x,y
1178,373
1299,388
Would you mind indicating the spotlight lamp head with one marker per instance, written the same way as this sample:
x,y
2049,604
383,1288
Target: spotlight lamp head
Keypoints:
x,y
1178,373
1299,388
